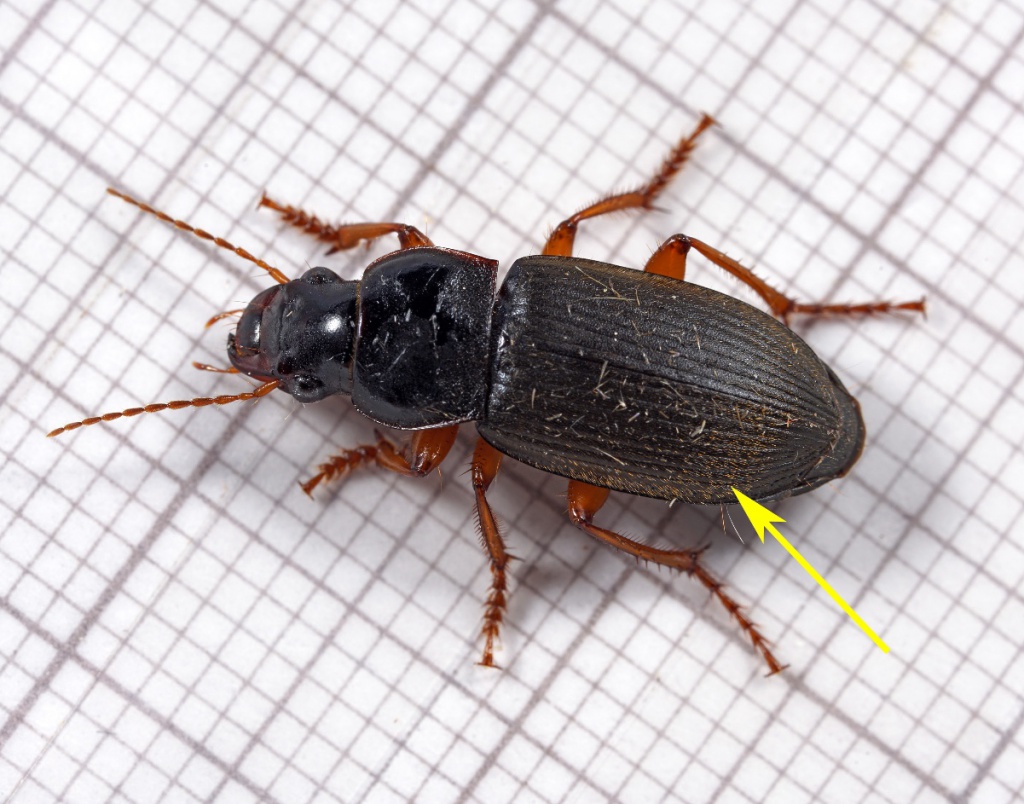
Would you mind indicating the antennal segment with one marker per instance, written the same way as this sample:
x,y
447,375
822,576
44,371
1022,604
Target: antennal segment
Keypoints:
x,y
202,235
199,402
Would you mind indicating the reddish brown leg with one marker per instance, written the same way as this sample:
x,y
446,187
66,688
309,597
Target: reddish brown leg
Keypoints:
x,y
561,240
486,460
586,500
421,456
783,306
214,369
670,258
348,235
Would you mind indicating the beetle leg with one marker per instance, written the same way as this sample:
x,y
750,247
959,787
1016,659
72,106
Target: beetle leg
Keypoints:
x,y
486,460
561,240
670,258
214,369
783,306
586,500
347,235
421,456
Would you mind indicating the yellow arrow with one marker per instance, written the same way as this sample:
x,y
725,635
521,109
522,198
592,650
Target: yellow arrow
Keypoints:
x,y
761,518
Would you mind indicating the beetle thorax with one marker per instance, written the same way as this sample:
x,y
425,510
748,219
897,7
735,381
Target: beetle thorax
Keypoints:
x,y
423,338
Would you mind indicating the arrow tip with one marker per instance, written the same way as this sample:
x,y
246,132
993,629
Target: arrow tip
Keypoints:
x,y
759,516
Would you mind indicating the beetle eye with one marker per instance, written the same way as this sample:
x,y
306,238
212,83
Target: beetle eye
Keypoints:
x,y
306,388
320,276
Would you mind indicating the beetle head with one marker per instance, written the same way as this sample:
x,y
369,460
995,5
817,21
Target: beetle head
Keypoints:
x,y
300,333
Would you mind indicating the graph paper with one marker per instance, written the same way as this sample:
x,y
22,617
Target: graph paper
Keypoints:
x,y
179,622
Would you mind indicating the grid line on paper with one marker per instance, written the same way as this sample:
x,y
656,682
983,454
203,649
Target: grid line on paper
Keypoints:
x,y
84,160
400,199
873,237
925,165
11,54
68,649
103,677
490,761
982,87
866,243
90,618
887,12
1006,740
197,492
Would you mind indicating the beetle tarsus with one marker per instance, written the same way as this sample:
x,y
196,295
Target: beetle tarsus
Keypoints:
x,y
486,460
561,240
586,500
340,465
866,308
717,588
214,369
674,162
345,236
421,456
783,306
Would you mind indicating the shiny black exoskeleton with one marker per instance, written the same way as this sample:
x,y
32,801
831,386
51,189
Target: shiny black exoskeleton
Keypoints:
x,y
409,341
615,377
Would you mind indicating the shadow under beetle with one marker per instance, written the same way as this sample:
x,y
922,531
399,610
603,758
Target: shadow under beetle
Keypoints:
x,y
613,378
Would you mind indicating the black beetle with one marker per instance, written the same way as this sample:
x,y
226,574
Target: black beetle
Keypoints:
x,y
613,378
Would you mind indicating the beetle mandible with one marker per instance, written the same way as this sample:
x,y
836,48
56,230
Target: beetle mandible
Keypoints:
x,y
616,379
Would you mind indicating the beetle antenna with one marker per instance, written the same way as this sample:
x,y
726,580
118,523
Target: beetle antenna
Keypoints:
x,y
199,402
275,274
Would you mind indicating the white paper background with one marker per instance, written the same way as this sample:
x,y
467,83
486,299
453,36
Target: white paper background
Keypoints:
x,y
178,622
